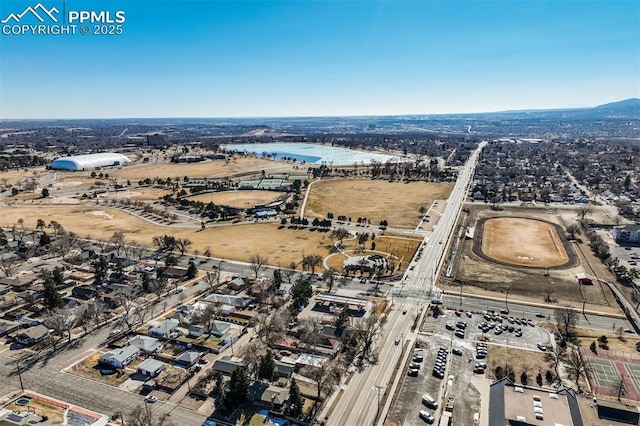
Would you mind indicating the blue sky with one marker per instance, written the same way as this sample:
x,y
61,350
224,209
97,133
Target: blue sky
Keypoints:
x,y
306,58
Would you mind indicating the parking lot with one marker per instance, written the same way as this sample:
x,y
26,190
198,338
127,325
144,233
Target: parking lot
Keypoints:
x,y
453,378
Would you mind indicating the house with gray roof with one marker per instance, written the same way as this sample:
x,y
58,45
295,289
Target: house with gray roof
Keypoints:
x,y
8,327
150,367
33,335
146,344
226,365
165,329
120,358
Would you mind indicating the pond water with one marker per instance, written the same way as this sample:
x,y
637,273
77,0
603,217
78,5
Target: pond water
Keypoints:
x,y
312,153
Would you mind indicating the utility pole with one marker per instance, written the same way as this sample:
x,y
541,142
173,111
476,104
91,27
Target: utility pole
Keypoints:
x,y
506,298
20,375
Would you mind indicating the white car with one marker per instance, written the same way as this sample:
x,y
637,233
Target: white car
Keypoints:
x,y
150,399
426,417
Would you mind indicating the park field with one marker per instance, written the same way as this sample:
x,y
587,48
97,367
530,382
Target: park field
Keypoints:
x,y
397,202
237,199
235,242
209,168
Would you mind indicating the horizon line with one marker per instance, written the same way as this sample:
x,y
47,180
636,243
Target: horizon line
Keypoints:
x,y
549,109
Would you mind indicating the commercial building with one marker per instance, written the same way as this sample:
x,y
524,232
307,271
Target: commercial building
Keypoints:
x,y
89,161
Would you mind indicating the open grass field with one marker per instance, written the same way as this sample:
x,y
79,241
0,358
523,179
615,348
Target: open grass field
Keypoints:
x,y
519,359
238,199
210,168
376,200
236,242
523,242
13,176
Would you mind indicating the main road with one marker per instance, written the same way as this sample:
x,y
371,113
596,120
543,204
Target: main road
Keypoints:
x,y
360,399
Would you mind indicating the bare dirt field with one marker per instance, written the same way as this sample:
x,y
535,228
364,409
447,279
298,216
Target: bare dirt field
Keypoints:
x,y
238,199
524,242
236,242
486,277
13,176
210,168
376,200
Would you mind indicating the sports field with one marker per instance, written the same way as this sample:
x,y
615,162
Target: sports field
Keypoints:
x,y
238,199
376,200
523,242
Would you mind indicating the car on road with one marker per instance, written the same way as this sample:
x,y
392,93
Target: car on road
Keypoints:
x,y
542,347
404,312
457,352
427,417
539,315
628,330
397,341
150,399
504,311
115,332
436,302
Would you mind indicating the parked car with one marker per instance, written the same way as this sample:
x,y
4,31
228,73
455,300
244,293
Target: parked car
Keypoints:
x,y
426,417
542,347
478,370
457,352
450,327
413,372
429,401
150,399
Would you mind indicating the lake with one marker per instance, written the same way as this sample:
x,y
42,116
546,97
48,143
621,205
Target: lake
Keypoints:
x,y
312,153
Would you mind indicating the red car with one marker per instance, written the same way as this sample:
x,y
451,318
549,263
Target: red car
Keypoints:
x,y
203,361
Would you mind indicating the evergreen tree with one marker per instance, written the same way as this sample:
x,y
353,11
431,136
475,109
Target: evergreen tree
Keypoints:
x,y
277,279
267,366
58,279
296,401
146,282
52,298
539,379
192,271
238,389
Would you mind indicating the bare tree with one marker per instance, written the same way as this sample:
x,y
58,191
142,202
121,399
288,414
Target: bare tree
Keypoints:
x,y
117,240
566,318
9,263
212,279
326,376
271,327
583,212
257,262
309,331
548,292
621,387
97,311
183,244
61,321
207,317
573,230
328,277
312,261
251,353
555,357
366,332
289,272
577,368
143,416
340,234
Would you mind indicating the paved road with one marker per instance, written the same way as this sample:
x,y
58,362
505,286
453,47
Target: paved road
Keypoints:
x,y
359,401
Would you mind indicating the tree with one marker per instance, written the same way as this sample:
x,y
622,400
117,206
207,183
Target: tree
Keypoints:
x,y
566,318
301,292
555,357
252,354
192,271
309,331
328,277
524,378
52,299
573,230
267,366
257,262
340,234
366,332
499,372
342,320
9,264
583,212
592,347
118,242
296,402
312,261
143,416
45,193
271,327
238,389
289,272
539,379
62,321
183,244
577,368
326,376
548,376
276,281
207,317
548,292
212,279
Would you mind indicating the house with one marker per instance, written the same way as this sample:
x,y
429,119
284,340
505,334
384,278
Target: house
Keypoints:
x,y
627,234
616,413
174,272
120,358
189,358
33,335
510,404
226,310
150,367
237,301
284,369
84,292
4,289
197,330
20,282
165,329
226,365
8,327
146,344
273,397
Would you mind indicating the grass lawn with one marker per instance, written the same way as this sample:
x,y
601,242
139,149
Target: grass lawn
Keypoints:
x,y
376,200
238,199
627,342
91,369
518,359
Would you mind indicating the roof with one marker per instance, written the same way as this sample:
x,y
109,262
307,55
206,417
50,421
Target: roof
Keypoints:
x,y
341,300
189,357
515,405
268,394
630,228
228,300
145,343
77,162
6,326
165,327
151,365
36,332
227,365
121,354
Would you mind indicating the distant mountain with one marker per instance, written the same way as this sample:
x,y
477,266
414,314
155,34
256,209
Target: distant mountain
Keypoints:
x,y
628,107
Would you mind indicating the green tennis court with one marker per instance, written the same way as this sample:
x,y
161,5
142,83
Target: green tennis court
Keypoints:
x,y
604,372
634,374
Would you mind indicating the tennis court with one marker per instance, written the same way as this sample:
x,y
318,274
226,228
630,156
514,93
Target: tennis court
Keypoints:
x,y
633,371
604,372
